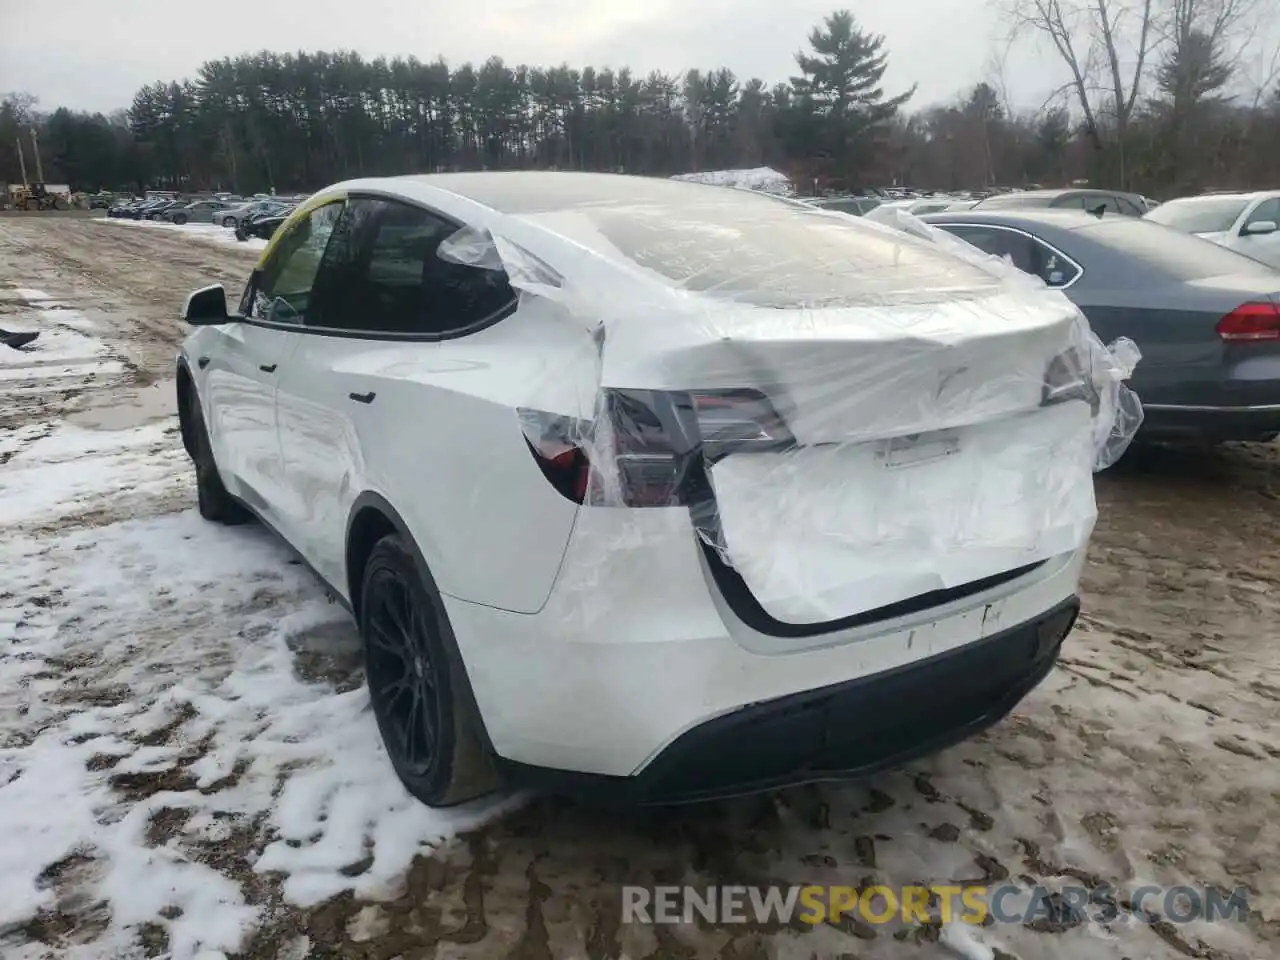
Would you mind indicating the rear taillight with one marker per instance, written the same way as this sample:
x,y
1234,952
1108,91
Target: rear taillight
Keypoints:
x,y
650,448
1251,321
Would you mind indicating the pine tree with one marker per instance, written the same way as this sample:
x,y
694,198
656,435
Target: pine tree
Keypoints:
x,y
844,113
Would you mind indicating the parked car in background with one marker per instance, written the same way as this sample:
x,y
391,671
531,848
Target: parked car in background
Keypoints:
x,y
139,210
232,215
263,225
1108,201
161,207
920,205
858,206
548,584
1248,223
1206,319
201,211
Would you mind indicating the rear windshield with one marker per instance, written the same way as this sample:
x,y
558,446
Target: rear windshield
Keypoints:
x,y
1171,252
777,255
1199,216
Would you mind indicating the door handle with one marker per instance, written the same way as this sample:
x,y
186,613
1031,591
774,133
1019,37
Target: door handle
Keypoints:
x,y
202,362
267,367
362,397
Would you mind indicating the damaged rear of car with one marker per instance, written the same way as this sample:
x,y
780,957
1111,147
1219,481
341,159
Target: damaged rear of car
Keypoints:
x,y
834,488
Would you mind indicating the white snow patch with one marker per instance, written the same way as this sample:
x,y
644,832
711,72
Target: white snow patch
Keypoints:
x,y
66,346
67,471
148,666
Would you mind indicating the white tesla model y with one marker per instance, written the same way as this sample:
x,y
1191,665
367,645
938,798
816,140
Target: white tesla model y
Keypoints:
x,y
661,489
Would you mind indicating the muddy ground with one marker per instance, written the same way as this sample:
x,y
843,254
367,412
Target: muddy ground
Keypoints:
x,y
1150,755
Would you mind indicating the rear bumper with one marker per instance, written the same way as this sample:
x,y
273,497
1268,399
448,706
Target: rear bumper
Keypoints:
x,y
1255,422
637,647
837,732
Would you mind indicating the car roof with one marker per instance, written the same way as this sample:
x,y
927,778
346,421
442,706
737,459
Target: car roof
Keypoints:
x,y
520,192
1029,218
1242,195
689,237
1056,192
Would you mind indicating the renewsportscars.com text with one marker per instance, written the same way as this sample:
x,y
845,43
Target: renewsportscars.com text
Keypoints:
x,y
1005,903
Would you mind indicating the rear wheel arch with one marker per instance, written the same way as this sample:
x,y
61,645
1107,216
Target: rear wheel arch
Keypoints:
x,y
372,518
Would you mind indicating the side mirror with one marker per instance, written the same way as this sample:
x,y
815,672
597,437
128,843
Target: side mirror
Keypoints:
x,y
1259,227
206,307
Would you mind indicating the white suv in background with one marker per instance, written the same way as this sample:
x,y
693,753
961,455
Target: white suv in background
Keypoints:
x,y
1248,223
667,489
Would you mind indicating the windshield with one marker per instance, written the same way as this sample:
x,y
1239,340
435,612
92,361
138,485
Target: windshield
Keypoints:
x,y
1199,215
1173,253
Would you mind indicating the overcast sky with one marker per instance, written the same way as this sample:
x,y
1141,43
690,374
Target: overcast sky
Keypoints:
x,y
94,54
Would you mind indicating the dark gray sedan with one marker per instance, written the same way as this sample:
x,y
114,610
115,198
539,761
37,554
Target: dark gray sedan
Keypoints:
x,y
1207,320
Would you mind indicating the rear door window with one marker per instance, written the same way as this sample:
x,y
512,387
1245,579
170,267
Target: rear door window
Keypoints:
x,y
1025,252
383,275
1128,207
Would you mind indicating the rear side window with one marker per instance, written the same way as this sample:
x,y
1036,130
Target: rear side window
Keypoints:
x,y
1266,210
1025,252
1172,253
383,275
1128,207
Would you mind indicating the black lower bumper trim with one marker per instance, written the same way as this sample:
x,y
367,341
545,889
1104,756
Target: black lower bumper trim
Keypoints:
x,y
845,731
1211,424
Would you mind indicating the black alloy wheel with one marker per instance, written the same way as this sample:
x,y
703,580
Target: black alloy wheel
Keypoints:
x,y
403,675
417,686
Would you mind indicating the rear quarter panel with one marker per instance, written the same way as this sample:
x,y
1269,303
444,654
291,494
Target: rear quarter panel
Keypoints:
x,y
444,446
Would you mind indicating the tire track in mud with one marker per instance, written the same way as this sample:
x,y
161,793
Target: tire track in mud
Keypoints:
x,y
143,276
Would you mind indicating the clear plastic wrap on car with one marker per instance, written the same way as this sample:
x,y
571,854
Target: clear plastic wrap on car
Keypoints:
x,y
841,431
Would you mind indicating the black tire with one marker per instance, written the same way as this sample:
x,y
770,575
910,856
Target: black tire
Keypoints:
x,y
231,222
180,219
215,503
417,685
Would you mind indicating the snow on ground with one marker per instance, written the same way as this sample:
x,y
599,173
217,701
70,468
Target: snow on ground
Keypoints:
x,y
206,232
62,361
170,689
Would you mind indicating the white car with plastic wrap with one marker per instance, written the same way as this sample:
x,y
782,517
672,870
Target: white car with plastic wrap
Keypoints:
x,y
657,488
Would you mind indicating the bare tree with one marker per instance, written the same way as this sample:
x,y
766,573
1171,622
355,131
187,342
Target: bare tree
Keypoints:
x,y
1105,44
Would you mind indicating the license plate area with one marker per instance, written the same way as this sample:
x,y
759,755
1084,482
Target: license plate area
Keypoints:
x,y
898,453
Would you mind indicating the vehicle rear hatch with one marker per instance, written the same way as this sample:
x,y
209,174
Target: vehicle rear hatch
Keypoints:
x,y
864,421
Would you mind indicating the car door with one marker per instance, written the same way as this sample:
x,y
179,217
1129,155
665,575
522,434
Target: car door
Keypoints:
x,y
241,372
405,385
1259,234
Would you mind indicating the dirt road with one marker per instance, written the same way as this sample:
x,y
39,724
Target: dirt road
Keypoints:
x,y
1151,756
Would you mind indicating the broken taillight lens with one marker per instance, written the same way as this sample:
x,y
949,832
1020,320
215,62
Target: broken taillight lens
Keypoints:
x,y
650,448
1251,322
